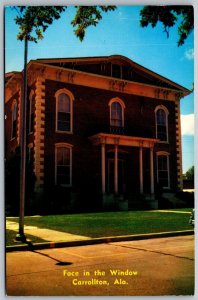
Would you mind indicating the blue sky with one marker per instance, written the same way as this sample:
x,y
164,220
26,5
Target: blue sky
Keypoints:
x,y
119,32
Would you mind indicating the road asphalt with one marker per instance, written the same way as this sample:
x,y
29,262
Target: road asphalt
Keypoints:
x,y
152,267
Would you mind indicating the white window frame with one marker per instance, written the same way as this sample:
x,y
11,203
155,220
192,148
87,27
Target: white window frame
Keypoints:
x,y
71,98
156,124
167,155
14,118
68,146
122,106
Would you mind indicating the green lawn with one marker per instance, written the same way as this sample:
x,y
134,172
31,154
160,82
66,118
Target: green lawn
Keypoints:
x,y
113,223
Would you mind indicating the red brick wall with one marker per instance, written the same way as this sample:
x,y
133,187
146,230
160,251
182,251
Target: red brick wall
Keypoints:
x,y
10,144
90,114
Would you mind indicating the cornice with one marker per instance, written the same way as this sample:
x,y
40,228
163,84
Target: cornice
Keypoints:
x,y
116,58
76,77
123,140
13,86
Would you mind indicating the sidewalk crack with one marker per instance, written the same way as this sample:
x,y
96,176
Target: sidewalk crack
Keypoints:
x,y
154,251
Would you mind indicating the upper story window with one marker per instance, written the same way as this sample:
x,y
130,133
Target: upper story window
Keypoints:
x,y
64,111
116,71
116,114
31,112
117,107
14,120
63,164
161,118
163,177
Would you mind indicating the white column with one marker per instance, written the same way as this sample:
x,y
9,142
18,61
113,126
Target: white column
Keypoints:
x,y
116,169
103,166
151,171
141,170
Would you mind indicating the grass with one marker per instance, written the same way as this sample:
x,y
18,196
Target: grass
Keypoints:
x,y
113,223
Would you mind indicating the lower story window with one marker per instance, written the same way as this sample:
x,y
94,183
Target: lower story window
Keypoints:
x,y
63,165
163,170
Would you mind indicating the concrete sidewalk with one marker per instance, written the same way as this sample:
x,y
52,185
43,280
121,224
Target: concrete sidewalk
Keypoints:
x,y
45,234
58,239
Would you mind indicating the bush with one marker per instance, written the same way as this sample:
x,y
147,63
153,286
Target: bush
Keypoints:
x,y
12,184
187,197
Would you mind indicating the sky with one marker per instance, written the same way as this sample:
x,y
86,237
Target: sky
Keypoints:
x,y
119,32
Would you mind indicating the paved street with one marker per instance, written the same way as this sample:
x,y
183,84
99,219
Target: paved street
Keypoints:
x,y
162,266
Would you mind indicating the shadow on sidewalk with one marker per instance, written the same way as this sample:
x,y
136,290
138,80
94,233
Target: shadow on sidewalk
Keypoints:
x,y
59,262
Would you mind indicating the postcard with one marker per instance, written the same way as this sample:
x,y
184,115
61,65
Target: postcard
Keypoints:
x,y
99,150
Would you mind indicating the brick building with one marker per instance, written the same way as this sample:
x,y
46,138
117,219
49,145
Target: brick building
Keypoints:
x,y
102,132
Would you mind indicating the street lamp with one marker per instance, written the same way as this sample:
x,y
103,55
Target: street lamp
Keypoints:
x,y
21,236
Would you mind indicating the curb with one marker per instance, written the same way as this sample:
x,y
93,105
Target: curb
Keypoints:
x,y
50,245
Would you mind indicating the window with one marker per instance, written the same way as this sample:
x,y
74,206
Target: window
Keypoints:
x,y
161,115
63,161
64,110
63,113
116,112
116,71
14,120
163,170
31,113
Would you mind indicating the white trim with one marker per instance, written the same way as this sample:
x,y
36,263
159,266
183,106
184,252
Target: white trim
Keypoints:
x,y
68,146
124,140
160,153
71,98
166,113
166,154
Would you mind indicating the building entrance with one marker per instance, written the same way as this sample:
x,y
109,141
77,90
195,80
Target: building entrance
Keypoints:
x,y
121,176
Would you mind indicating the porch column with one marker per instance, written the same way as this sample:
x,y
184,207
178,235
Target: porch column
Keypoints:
x,y
103,166
116,169
141,170
151,170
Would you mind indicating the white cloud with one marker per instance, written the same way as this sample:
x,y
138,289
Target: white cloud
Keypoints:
x,y
187,124
189,54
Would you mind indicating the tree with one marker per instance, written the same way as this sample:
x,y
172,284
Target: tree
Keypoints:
x,y
34,20
190,174
169,16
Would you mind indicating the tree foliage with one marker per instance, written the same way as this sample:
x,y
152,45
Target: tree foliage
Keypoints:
x,y
88,16
190,174
34,20
169,16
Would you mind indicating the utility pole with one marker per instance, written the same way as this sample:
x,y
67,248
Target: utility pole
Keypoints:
x,y
21,236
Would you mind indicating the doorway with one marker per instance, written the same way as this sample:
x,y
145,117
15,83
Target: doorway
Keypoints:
x,y
121,176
